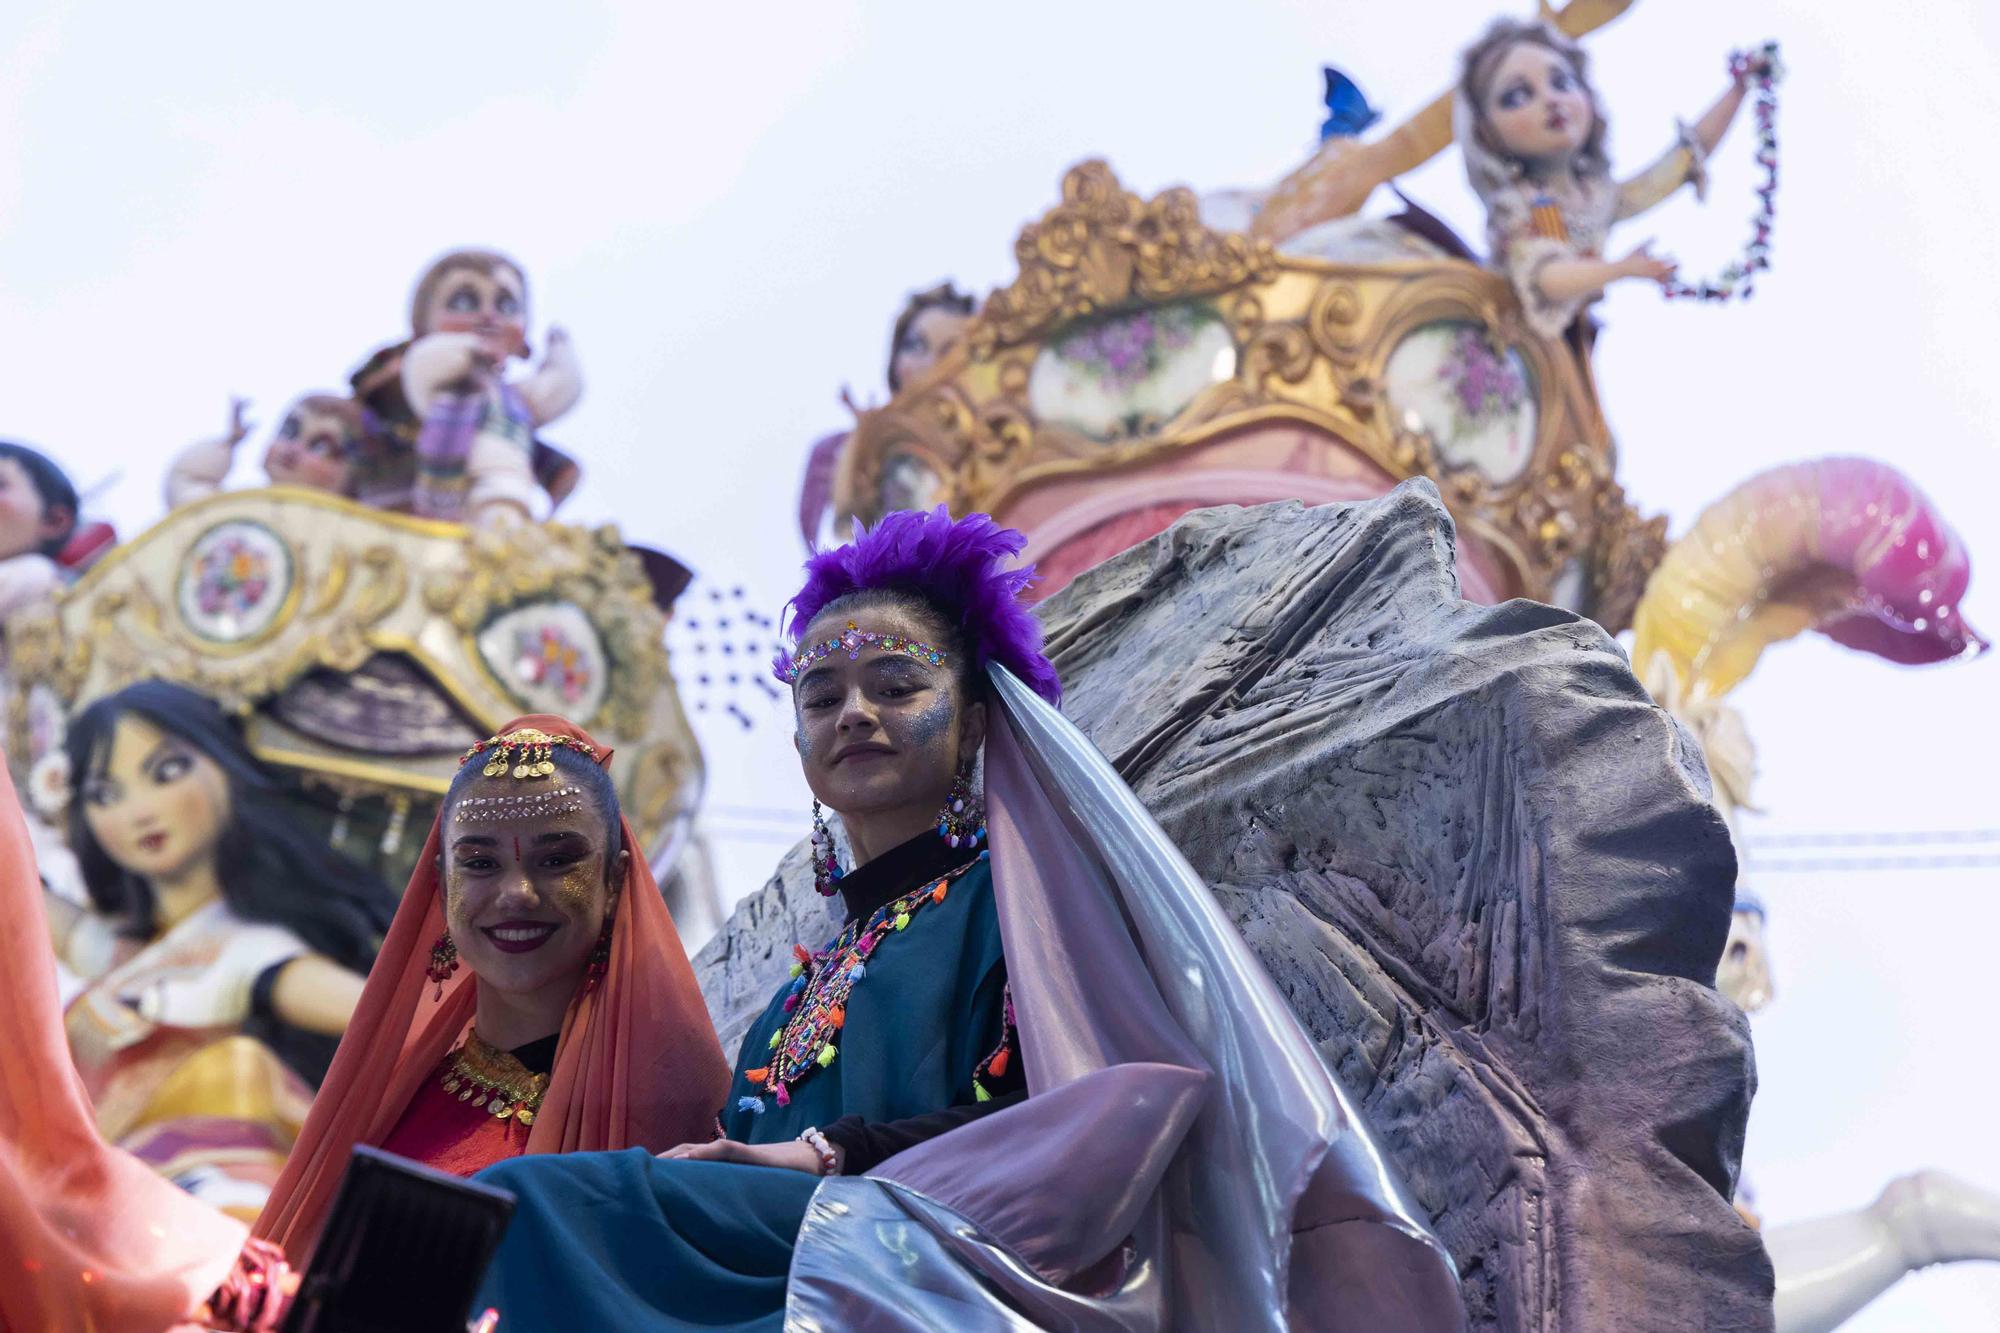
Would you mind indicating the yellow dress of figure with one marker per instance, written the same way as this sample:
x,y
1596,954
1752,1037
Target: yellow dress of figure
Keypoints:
x,y
156,1035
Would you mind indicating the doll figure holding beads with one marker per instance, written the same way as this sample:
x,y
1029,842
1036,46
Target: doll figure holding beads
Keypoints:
x,y
1533,132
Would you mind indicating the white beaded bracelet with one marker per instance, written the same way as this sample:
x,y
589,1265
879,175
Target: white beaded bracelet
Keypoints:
x,y
829,1165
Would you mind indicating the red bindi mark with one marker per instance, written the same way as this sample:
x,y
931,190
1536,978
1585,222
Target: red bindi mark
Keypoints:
x,y
517,847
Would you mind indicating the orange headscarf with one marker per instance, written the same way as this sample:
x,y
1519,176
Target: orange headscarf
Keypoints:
x,y
638,1064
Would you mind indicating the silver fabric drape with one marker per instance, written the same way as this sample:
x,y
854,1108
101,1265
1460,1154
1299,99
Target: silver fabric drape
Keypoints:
x,y
1184,1158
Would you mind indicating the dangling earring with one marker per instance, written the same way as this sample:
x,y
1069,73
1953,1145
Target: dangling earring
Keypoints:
x,y
826,860
962,822
600,958
444,962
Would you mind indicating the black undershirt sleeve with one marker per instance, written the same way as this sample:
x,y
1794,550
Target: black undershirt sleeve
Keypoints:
x,y
865,1146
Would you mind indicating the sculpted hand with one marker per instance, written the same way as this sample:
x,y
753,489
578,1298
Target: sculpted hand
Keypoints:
x,y
1749,65
445,362
239,426
791,1156
1642,263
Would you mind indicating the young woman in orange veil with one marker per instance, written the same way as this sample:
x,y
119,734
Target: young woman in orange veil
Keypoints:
x,y
531,996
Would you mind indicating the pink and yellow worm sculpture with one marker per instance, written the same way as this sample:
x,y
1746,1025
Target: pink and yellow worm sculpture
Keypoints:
x,y
1847,546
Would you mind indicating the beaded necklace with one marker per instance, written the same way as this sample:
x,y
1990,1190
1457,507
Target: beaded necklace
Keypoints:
x,y
816,1009
1761,68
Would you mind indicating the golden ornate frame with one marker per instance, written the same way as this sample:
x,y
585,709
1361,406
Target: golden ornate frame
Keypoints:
x,y
367,582
1313,342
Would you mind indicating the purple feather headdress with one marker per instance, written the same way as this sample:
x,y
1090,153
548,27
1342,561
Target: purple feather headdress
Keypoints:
x,y
959,564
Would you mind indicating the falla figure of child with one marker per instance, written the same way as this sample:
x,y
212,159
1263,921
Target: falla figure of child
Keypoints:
x,y
458,439
315,447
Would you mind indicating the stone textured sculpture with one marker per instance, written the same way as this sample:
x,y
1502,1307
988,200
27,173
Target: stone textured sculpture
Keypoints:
x,y
1478,860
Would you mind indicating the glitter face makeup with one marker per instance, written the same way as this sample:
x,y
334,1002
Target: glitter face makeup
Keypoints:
x,y
527,882
932,721
880,728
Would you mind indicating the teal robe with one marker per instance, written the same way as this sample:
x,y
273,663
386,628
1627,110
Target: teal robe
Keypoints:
x,y
624,1240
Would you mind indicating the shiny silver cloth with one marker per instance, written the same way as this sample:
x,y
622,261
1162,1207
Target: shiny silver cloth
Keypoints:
x,y
1184,1158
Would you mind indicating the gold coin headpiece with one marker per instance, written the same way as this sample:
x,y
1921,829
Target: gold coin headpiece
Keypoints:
x,y
524,753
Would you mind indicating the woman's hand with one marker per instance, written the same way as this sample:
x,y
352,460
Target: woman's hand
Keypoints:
x,y
791,1156
1642,263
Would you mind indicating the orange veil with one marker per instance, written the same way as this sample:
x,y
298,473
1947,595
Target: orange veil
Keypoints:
x,y
638,1064
90,1237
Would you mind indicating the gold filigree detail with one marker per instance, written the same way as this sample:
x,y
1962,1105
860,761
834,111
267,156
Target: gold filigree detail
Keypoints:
x,y
1629,548
1103,248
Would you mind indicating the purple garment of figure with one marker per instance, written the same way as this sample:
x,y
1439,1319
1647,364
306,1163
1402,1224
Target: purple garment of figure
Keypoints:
x,y
444,447
816,486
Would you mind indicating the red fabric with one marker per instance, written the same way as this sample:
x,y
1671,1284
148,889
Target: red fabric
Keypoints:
x,y
90,540
453,1136
90,1237
638,1064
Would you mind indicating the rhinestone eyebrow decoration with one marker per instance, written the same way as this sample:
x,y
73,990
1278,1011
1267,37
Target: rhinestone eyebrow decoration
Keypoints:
x,y
852,640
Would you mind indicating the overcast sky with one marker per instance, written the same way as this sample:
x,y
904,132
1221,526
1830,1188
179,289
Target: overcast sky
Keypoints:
x,y
726,204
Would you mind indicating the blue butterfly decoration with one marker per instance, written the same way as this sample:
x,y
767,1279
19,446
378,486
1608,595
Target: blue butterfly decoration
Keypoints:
x,y
1347,111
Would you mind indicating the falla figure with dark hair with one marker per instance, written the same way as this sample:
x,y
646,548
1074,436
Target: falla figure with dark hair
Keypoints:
x,y
931,323
222,949
38,515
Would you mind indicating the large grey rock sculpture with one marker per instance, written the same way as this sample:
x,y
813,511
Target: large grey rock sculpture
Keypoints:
x,y
1478,860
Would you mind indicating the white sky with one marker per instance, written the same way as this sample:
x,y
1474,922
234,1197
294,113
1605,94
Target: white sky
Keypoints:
x,y
726,203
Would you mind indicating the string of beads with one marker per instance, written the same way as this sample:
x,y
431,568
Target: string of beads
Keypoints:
x,y
1740,278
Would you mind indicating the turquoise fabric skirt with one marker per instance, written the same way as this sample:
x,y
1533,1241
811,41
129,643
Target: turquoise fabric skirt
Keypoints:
x,y
623,1240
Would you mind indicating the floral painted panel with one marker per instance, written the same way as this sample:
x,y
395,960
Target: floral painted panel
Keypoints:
x,y
1128,375
234,581
1474,398
549,657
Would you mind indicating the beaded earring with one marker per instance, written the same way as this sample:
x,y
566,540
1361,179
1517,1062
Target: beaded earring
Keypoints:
x,y
962,822
444,962
600,958
825,857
